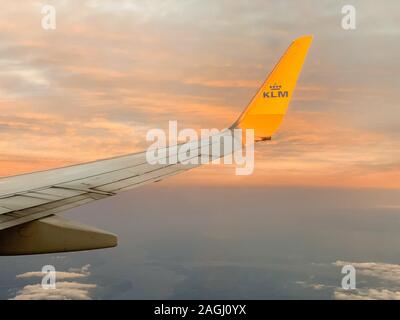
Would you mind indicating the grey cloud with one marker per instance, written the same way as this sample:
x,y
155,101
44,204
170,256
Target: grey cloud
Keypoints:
x,y
367,294
374,281
65,290
382,271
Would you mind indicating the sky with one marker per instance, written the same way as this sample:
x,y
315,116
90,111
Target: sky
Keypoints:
x,y
324,191
110,71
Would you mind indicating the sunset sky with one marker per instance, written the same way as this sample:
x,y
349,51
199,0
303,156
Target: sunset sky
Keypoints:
x,y
112,70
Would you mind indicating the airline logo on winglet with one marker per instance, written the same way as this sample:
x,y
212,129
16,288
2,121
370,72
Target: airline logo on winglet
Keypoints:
x,y
275,92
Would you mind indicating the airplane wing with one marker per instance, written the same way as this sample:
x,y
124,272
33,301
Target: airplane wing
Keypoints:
x,y
29,202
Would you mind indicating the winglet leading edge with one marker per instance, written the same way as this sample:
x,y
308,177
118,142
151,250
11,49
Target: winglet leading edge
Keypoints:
x,y
266,110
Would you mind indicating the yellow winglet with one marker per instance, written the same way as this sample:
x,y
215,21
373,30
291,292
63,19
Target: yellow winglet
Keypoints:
x,y
266,110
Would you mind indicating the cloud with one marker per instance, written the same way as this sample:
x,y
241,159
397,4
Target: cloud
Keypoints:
x,y
92,87
217,83
374,281
65,290
381,271
389,206
315,286
72,273
387,274
306,153
367,294
83,270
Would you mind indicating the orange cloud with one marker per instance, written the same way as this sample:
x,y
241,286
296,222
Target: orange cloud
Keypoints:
x,y
93,87
314,149
219,83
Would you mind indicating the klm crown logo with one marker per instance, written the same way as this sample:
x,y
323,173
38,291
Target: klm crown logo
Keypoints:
x,y
275,92
275,87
